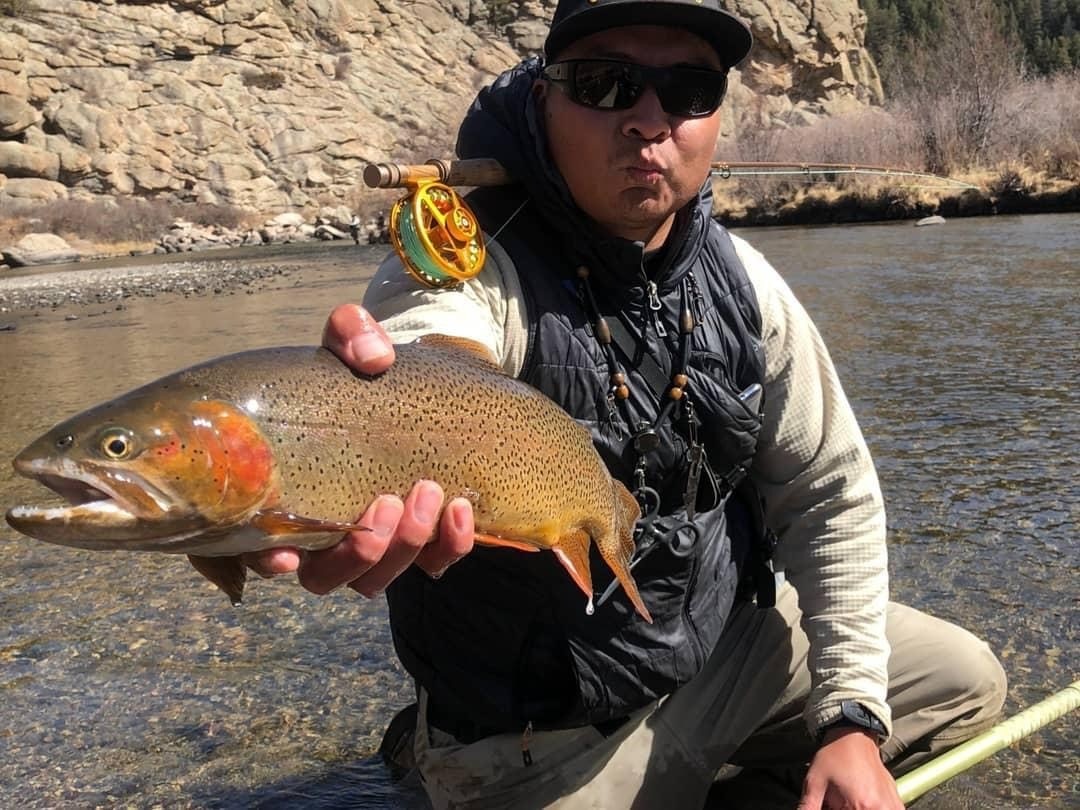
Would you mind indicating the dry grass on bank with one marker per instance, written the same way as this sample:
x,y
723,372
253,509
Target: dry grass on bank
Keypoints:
x,y
1030,162
107,227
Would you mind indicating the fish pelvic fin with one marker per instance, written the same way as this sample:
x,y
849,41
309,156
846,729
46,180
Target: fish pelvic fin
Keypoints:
x,y
572,550
504,542
228,573
277,522
617,547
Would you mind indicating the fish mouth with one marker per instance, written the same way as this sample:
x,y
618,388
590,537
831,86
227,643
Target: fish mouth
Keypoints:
x,y
104,508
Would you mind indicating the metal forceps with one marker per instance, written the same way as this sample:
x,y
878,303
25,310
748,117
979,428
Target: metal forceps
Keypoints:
x,y
647,532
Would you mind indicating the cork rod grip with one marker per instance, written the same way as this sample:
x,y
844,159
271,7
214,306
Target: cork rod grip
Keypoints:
x,y
475,172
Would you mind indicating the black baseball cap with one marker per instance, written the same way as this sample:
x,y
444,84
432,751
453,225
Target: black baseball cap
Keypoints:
x,y
575,19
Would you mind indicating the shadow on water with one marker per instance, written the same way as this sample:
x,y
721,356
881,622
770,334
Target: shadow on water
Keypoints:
x,y
362,785
126,679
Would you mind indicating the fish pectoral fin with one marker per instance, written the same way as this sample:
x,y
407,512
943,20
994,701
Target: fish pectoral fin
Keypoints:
x,y
276,522
504,542
228,573
478,351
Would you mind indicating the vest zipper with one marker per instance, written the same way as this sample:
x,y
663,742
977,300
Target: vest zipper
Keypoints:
x,y
694,635
655,306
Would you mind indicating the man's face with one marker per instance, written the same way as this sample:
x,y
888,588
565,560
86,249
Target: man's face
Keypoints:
x,y
631,170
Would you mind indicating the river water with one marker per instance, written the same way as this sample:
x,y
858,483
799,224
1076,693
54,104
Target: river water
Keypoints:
x,y
127,680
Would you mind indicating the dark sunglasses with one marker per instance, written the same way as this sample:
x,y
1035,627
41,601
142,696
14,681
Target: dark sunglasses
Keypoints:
x,y
611,84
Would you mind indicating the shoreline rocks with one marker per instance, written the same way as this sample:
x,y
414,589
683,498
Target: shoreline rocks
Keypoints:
x,y
112,285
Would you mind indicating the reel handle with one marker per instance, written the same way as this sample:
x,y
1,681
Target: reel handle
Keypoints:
x,y
473,172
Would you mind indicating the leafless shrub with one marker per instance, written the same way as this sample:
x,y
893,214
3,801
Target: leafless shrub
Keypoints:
x,y
332,38
268,80
873,136
224,216
956,91
17,8
1009,183
342,66
107,221
1044,133
124,220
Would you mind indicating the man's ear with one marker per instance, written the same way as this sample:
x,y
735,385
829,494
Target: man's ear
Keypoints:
x,y
540,89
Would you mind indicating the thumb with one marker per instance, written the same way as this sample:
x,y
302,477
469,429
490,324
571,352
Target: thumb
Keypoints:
x,y
813,796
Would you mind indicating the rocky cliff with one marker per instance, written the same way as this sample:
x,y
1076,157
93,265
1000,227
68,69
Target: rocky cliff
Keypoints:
x,y
277,104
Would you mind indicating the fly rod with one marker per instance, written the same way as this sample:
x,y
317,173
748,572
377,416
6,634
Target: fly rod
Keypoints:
x,y
489,172
439,240
914,784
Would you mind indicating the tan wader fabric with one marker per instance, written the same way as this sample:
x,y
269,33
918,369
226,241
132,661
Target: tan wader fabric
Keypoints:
x,y
745,708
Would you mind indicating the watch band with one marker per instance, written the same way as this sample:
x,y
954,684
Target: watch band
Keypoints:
x,y
855,715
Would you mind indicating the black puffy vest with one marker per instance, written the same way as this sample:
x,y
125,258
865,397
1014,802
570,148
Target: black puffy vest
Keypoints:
x,y
503,638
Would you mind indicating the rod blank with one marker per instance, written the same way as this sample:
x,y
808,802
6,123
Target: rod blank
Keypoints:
x,y
940,769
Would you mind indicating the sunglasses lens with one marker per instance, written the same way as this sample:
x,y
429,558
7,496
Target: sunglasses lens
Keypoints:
x,y
607,84
692,93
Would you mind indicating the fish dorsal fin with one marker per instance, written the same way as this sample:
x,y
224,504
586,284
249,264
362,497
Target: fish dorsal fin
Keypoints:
x,y
472,348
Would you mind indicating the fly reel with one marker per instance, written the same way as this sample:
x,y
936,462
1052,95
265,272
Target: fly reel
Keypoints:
x,y
436,235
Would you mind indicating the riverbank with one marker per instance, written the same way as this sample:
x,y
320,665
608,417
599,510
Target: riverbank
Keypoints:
x,y
799,200
739,202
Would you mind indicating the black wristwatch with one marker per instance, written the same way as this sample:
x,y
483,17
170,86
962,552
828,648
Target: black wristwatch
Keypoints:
x,y
854,715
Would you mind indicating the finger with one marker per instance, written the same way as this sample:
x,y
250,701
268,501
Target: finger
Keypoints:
x,y
358,340
358,552
415,529
273,561
457,531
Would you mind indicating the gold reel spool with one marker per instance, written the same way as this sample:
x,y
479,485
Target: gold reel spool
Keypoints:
x,y
436,235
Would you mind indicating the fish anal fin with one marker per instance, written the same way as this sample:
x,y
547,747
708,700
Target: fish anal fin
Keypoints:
x,y
278,522
505,542
228,573
477,351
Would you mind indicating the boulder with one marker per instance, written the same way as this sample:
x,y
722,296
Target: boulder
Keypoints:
x,y
21,160
15,116
31,189
39,248
287,220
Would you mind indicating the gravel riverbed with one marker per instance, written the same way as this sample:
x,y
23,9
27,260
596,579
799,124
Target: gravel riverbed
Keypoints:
x,y
48,289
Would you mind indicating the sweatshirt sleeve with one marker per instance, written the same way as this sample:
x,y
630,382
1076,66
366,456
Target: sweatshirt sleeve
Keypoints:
x,y
488,309
823,500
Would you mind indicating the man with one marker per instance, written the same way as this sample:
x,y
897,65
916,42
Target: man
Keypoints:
x,y
710,394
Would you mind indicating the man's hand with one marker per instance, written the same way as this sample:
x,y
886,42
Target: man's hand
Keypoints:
x,y
847,774
402,532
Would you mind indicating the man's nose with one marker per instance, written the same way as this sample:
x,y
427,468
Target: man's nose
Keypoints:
x,y
647,119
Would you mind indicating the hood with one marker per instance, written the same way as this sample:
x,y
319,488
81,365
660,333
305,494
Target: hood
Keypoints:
x,y
504,123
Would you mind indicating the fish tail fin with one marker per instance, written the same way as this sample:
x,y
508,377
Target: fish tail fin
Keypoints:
x,y
617,554
228,573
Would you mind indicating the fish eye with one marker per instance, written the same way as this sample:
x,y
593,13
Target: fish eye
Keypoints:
x,y
117,444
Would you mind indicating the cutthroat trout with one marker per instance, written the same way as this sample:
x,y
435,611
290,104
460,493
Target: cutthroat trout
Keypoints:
x,y
285,446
